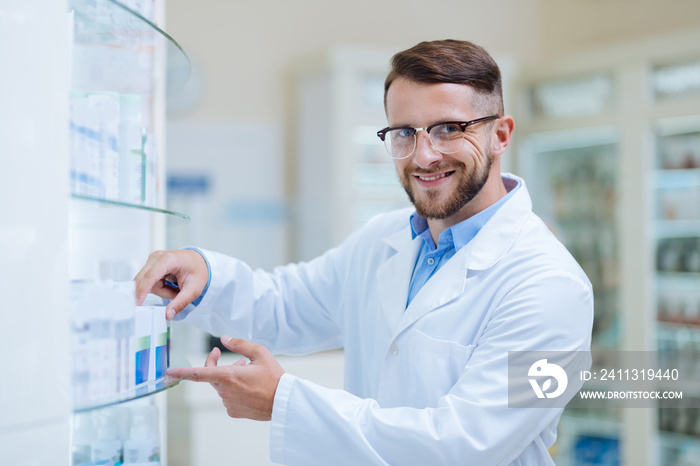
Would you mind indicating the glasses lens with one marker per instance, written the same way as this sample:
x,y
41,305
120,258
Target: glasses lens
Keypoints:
x,y
400,142
448,138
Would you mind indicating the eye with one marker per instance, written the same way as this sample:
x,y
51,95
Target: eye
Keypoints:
x,y
449,128
404,133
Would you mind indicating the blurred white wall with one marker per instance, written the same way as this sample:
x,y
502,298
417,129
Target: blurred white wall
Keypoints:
x,y
572,25
245,47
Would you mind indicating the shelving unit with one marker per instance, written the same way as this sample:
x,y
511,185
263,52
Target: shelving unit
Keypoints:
x,y
645,96
53,233
575,192
676,203
117,52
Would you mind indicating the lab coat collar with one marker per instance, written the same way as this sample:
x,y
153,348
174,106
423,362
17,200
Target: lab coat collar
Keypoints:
x,y
489,245
498,234
494,238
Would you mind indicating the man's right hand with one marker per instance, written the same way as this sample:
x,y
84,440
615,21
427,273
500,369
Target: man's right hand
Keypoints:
x,y
185,267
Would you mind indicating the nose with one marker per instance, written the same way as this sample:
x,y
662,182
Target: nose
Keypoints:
x,y
425,154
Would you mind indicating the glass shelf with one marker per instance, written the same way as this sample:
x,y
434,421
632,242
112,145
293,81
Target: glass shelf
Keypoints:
x,y
119,44
676,178
677,228
127,205
668,329
677,279
140,392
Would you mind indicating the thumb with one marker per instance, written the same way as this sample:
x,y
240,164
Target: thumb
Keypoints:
x,y
180,301
245,348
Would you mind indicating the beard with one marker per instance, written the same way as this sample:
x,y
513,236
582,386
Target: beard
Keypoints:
x,y
429,206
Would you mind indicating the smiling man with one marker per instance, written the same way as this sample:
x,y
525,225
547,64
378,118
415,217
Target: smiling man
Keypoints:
x,y
426,302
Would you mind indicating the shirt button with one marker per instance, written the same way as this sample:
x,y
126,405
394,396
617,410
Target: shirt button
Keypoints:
x,y
394,350
431,261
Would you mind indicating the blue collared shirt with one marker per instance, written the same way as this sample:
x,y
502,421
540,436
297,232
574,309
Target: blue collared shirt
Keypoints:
x,y
431,258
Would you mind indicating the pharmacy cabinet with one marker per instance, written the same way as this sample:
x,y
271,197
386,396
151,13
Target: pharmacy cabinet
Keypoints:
x,y
575,192
609,143
120,61
675,191
82,120
343,174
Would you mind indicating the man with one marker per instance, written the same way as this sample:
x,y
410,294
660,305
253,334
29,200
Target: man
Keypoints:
x,y
426,303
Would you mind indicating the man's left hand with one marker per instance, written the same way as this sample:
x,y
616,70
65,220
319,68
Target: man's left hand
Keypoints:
x,y
246,389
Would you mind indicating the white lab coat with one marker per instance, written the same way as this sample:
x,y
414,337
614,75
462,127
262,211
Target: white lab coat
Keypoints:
x,y
424,385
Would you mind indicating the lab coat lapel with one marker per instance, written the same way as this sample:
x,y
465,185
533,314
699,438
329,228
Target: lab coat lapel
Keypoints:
x,y
447,284
394,276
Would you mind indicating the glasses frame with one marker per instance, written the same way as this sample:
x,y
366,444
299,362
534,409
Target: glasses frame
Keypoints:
x,y
462,124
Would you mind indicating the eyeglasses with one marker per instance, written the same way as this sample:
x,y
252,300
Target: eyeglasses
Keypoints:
x,y
446,137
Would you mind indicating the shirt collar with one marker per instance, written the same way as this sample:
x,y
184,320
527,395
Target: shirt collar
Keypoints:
x,y
460,234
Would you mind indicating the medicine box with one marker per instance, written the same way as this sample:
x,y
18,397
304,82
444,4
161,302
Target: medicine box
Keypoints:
x,y
142,345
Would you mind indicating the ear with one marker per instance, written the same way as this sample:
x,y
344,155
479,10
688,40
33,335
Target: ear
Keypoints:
x,y
502,131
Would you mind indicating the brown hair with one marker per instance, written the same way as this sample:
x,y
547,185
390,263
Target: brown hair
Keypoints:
x,y
451,61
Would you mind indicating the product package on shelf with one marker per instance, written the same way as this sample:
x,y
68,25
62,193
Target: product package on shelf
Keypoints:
x,y
131,153
86,168
108,157
680,151
160,329
142,349
113,153
153,336
150,172
117,347
127,434
107,105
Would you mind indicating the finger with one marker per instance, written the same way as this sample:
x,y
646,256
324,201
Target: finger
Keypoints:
x,y
250,350
195,374
240,362
157,267
213,358
186,295
164,291
146,266
142,286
